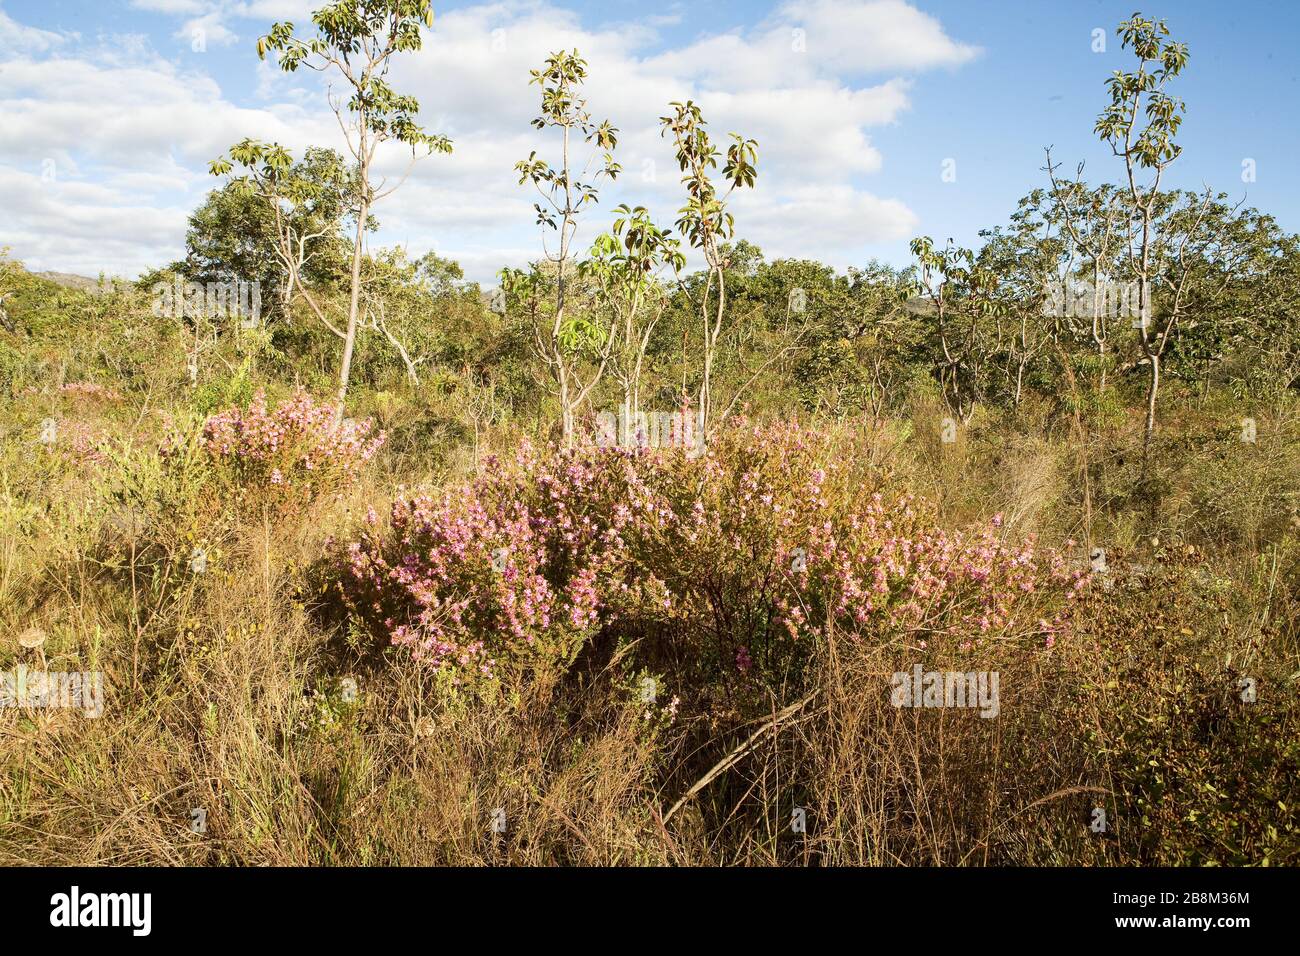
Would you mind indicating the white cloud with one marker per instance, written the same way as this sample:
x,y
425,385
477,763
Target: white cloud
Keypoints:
x,y
105,155
85,228
207,29
296,11
185,7
132,116
872,37
131,131
830,223
170,6
16,39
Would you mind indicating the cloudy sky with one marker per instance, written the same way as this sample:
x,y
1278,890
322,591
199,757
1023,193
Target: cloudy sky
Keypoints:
x,y
110,112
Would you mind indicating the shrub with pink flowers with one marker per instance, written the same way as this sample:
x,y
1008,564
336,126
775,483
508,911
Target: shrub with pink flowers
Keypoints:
x,y
296,449
778,541
91,390
84,444
741,561
517,567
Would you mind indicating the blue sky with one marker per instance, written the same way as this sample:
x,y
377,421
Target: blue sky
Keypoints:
x,y
111,111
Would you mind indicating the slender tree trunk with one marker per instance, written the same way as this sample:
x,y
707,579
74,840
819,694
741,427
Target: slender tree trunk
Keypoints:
x,y
566,224
345,369
1153,389
711,325
411,374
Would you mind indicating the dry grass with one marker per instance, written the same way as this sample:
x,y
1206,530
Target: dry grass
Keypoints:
x,y
229,694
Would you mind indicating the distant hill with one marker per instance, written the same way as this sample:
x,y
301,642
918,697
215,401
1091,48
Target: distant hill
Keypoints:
x,y
40,301
72,281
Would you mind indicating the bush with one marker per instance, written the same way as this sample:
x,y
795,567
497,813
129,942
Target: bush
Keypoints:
x,y
735,564
513,568
297,452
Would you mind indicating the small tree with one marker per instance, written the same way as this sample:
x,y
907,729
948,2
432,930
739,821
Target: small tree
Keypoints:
x,y
239,234
1096,223
567,339
1020,256
305,202
705,221
1220,279
883,332
1140,125
356,40
625,264
962,295
393,291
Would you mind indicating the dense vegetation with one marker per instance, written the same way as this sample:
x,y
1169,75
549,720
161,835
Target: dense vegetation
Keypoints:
x,y
613,563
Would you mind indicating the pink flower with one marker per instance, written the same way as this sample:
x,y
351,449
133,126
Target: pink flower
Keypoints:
x,y
299,440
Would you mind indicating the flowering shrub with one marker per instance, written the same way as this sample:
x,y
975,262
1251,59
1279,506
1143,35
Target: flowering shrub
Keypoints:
x,y
742,559
297,448
930,582
83,444
778,540
519,564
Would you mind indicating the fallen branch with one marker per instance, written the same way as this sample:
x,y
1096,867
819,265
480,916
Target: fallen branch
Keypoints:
x,y
735,756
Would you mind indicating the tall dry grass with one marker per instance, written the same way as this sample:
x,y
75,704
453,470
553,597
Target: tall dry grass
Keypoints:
x,y
232,692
